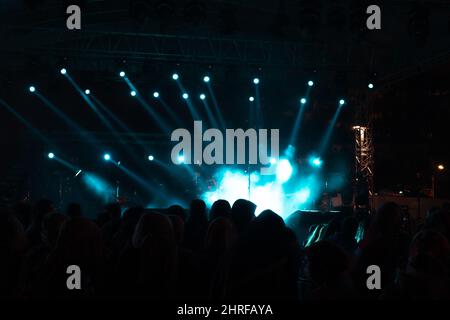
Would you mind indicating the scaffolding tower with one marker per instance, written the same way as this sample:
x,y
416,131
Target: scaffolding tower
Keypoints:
x,y
364,152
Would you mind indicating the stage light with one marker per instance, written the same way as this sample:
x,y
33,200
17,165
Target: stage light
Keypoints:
x,y
342,102
32,89
273,161
185,96
87,91
310,83
370,85
106,157
63,71
256,81
202,97
122,74
206,79
175,76
284,170
51,155
316,162
78,173
156,94
151,158
303,100
251,99
133,93
180,159
440,167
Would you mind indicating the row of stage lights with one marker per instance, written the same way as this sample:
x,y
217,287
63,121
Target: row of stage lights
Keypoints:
x,y
185,95
314,161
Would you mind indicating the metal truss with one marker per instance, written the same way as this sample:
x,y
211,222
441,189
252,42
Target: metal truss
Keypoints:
x,y
364,148
156,47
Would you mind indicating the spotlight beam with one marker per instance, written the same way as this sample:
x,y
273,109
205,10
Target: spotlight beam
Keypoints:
x,y
294,136
216,106
94,108
163,125
211,118
191,107
26,123
170,112
148,187
327,136
74,126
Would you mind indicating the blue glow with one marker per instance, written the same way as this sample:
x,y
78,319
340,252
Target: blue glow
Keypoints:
x,y
51,155
98,186
122,74
156,94
273,161
315,161
87,91
342,102
175,76
107,157
202,97
256,81
303,100
63,71
151,158
185,96
181,159
265,193
284,170
32,89
206,79
310,83
133,93
303,195
251,99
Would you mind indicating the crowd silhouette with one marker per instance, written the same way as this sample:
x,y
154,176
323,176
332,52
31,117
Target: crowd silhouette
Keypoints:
x,y
226,252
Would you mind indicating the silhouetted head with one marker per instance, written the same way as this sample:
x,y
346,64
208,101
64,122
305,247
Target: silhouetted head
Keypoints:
x,y
220,235
152,224
242,213
220,208
177,210
113,210
22,211
51,226
178,228
349,227
42,207
326,262
268,224
332,228
74,210
431,243
12,235
386,222
197,211
131,217
79,241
